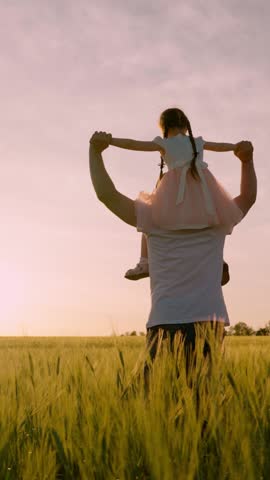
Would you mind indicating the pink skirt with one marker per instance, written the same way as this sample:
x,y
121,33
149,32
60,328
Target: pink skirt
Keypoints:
x,y
158,210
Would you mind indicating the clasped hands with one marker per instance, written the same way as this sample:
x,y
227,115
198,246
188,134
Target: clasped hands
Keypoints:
x,y
100,140
244,151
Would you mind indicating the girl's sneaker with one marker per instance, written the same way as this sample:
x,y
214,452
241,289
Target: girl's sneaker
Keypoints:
x,y
225,274
140,271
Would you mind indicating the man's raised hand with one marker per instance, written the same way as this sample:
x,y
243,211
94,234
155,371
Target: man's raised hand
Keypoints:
x,y
100,140
244,151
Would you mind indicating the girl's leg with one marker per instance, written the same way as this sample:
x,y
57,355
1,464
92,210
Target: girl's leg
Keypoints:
x,y
141,270
144,250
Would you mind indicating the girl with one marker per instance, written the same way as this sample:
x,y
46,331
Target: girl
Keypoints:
x,y
188,196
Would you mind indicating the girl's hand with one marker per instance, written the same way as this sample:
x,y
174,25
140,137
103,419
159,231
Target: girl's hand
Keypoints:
x,y
100,140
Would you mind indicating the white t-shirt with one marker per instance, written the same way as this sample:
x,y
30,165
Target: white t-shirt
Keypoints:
x,y
185,276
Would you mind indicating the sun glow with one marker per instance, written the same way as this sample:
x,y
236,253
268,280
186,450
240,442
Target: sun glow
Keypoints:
x,y
12,286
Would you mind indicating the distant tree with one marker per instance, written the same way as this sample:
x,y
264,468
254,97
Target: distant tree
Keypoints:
x,y
267,327
142,334
242,329
132,334
264,331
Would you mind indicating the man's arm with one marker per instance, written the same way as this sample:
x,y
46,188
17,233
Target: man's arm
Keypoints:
x,y
248,186
106,192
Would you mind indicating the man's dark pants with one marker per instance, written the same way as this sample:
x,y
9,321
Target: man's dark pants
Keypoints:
x,y
157,334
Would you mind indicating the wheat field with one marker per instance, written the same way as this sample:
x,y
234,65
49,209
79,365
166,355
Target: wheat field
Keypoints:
x,y
76,408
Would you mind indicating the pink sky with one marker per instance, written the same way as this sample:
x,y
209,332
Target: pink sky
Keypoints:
x,y
70,68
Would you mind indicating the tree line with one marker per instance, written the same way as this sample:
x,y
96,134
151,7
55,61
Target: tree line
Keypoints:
x,y
242,329
238,330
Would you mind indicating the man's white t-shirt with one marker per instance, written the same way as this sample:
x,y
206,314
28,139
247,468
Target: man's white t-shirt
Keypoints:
x,y
185,276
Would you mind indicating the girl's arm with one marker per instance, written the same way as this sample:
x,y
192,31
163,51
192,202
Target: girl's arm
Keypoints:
x,y
219,147
130,144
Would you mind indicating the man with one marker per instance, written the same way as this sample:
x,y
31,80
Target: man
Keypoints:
x,y
185,266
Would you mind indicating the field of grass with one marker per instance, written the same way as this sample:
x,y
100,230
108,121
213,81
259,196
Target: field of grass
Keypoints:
x,y
75,408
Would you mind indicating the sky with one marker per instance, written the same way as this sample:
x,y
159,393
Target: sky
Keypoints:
x,y
69,68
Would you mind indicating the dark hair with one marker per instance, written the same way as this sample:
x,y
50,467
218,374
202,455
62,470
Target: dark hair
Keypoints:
x,y
171,118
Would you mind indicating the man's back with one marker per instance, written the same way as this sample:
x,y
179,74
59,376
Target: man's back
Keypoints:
x,y
185,275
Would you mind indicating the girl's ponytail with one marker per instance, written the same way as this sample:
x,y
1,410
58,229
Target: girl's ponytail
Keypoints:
x,y
193,168
162,161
